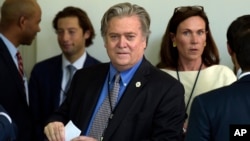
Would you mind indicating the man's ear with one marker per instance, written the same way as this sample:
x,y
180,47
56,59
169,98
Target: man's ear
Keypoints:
x,y
229,50
21,22
87,34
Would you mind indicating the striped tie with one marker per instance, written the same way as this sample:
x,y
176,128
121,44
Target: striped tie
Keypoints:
x,y
20,63
104,112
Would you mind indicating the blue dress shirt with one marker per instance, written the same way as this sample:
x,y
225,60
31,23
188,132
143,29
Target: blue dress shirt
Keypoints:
x,y
126,76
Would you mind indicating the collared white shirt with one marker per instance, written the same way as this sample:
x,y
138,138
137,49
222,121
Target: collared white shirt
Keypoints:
x,y
243,74
11,48
239,71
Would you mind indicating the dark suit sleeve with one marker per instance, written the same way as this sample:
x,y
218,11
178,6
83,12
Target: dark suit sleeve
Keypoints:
x,y
198,125
43,92
35,104
170,117
7,131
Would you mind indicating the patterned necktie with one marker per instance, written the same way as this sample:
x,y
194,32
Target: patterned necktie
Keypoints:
x,y
101,118
20,63
115,91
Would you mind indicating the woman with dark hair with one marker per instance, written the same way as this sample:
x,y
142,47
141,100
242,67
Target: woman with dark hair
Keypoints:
x,y
189,53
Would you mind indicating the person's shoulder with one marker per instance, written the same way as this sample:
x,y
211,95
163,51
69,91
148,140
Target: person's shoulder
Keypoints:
x,y
221,68
50,61
95,68
170,71
222,71
48,64
93,59
164,77
215,95
216,99
158,73
94,72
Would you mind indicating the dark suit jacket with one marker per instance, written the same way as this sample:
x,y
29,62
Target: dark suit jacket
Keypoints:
x,y
213,112
7,129
45,87
153,111
12,95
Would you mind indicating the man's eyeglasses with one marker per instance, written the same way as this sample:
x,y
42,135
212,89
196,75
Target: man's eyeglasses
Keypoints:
x,y
186,8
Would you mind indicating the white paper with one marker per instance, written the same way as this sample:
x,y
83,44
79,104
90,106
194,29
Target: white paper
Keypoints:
x,y
71,131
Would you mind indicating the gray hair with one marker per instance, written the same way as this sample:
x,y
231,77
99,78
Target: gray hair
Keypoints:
x,y
126,9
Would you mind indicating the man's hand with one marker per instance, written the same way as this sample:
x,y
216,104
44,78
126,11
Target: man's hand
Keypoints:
x,y
55,131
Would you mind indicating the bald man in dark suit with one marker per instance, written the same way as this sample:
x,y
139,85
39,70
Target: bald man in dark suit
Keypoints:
x,y
18,26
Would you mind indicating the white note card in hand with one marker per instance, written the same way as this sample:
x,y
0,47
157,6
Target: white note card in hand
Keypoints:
x,y
71,131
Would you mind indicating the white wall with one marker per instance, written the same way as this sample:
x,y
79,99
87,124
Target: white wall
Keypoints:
x,y
220,13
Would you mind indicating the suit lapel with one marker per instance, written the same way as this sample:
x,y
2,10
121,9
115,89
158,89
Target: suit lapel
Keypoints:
x,y
10,65
92,95
132,91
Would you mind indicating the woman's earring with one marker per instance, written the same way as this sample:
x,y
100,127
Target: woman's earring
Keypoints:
x,y
174,44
